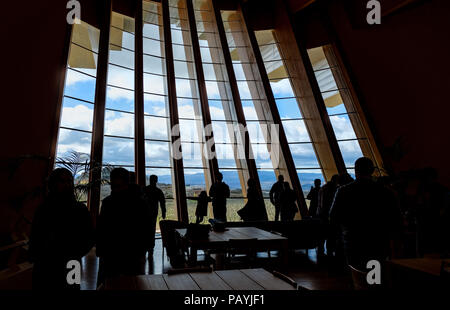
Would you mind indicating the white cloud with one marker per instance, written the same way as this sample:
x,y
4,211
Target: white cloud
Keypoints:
x,y
342,127
73,77
79,117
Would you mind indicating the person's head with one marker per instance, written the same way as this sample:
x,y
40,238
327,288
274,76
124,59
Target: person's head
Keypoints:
x,y
345,179
281,178
203,194
335,180
60,183
251,183
120,180
317,183
153,180
132,177
364,168
219,177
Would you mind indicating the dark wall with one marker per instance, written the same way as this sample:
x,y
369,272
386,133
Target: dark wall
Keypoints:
x,y
32,54
401,72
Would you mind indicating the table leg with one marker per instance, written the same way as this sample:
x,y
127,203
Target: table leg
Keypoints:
x,y
193,256
284,251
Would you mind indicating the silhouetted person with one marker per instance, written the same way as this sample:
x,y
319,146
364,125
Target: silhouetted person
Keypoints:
x,y
275,193
345,179
287,201
202,206
122,237
219,192
326,197
255,208
134,187
61,231
155,199
368,216
313,197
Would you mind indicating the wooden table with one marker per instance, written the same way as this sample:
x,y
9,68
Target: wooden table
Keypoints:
x,y
219,241
244,279
415,272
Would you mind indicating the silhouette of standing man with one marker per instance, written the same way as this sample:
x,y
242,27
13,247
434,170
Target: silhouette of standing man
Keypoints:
x,y
219,192
121,229
275,195
368,216
61,231
154,196
313,197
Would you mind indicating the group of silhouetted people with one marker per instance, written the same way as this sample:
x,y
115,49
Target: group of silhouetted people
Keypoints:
x,y
361,219
62,229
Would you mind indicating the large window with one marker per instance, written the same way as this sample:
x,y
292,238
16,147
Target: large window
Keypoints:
x,y
75,132
346,123
288,104
228,93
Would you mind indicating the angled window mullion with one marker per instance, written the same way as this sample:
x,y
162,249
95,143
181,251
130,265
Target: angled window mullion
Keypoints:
x,y
206,115
139,144
284,148
180,187
251,165
99,111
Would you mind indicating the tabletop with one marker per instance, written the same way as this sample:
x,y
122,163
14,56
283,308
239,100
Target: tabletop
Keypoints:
x,y
238,233
243,279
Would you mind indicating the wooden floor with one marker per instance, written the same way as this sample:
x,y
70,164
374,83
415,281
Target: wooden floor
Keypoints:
x,y
303,268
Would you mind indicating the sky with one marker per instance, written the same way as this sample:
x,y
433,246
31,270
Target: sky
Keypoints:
x,y
120,151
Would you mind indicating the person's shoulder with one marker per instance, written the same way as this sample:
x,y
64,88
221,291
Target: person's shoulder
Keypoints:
x,y
344,189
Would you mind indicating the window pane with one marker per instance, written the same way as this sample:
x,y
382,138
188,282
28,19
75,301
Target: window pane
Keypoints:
x,y
282,89
192,155
156,128
155,105
153,64
120,77
119,124
70,140
288,108
154,84
119,99
118,151
157,154
77,114
153,47
80,86
351,151
296,131
225,156
304,156
186,88
342,127
121,57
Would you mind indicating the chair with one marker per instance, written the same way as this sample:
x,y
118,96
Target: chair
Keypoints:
x,y
359,279
286,279
189,270
245,248
169,240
